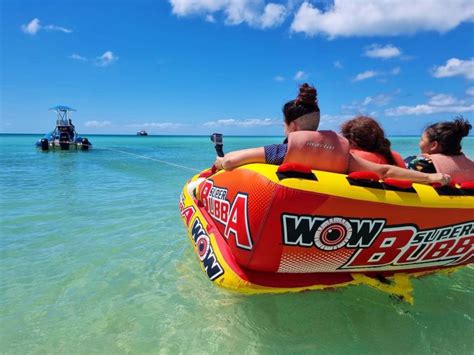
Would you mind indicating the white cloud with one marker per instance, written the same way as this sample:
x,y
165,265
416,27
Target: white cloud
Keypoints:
x,y
365,75
279,78
333,121
189,7
34,26
437,103
102,61
442,100
347,18
337,64
470,91
253,12
158,125
377,51
78,57
252,122
378,100
273,16
455,67
57,28
210,18
106,59
427,110
97,124
395,71
300,75
372,73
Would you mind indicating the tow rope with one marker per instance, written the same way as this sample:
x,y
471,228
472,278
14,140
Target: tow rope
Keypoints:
x,y
154,159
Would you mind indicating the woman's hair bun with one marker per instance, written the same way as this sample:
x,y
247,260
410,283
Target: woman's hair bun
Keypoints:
x,y
449,134
307,95
462,126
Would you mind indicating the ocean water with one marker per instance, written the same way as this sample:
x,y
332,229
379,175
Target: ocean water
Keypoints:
x,y
94,258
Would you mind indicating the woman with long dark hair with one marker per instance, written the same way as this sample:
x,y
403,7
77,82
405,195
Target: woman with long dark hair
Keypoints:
x,y
367,140
441,150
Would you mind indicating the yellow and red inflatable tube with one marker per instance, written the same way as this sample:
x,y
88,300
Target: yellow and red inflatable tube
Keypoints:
x,y
256,230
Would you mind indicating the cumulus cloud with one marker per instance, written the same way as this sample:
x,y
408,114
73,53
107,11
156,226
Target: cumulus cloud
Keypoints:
x,y
372,73
57,28
395,71
106,59
365,75
253,12
470,91
383,52
300,75
427,110
34,26
187,7
329,121
455,67
210,18
347,18
97,124
379,100
273,15
158,125
252,122
368,102
443,100
279,78
78,57
102,61
437,103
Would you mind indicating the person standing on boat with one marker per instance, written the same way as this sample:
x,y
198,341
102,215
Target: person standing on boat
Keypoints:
x,y
71,129
323,150
441,151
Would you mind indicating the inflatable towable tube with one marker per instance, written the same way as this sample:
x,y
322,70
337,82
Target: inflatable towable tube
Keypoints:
x,y
266,228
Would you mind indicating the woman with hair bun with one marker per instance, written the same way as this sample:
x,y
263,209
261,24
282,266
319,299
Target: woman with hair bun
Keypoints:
x,y
320,150
441,151
367,140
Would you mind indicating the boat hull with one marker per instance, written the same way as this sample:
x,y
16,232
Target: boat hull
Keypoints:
x,y
46,144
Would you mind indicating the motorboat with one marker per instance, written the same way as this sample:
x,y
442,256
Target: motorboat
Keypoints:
x,y
64,135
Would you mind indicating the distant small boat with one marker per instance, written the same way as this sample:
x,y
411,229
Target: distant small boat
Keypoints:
x,y
64,136
142,133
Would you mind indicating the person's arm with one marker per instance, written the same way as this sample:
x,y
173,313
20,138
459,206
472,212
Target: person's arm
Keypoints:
x,y
240,157
391,171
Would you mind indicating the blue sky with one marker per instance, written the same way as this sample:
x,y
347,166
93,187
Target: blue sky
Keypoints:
x,y
198,66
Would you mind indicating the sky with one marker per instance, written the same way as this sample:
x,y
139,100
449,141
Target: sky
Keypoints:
x,y
194,67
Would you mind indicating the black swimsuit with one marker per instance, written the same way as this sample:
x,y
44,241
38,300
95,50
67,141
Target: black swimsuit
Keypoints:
x,y
420,163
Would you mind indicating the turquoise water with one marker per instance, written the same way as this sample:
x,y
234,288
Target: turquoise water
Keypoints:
x,y
95,259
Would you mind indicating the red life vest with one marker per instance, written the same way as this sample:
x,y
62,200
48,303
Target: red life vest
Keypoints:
x,y
320,150
378,158
460,167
